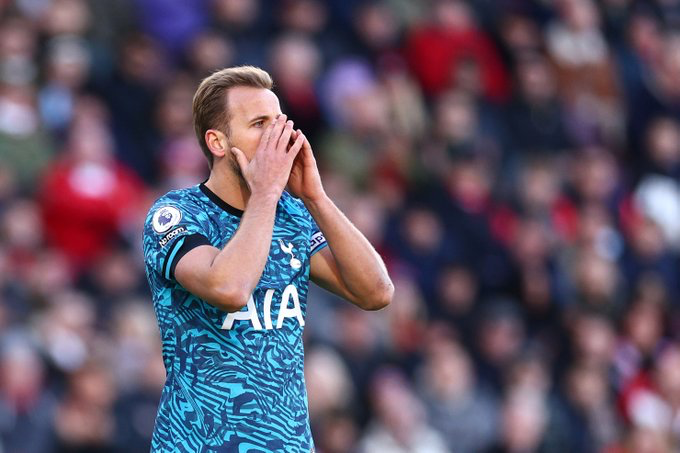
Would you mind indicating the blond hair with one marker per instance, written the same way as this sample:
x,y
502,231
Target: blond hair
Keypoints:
x,y
211,105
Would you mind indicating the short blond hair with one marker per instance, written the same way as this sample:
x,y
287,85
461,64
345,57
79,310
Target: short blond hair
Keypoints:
x,y
211,105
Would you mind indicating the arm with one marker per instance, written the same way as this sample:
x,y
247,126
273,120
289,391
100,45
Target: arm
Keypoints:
x,y
226,278
351,268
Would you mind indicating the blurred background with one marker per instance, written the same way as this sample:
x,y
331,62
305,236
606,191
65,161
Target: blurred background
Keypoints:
x,y
515,162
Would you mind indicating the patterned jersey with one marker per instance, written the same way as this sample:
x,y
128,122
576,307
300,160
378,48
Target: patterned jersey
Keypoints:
x,y
235,381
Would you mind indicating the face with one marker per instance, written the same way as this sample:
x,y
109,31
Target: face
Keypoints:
x,y
252,109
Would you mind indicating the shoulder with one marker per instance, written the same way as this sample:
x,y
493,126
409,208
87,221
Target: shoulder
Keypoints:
x,y
172,208
297,211
182,198
293,205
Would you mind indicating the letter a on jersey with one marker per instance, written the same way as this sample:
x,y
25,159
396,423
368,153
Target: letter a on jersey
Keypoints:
x,y
250,314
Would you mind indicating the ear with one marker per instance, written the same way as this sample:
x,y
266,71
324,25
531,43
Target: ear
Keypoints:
x,y
217,142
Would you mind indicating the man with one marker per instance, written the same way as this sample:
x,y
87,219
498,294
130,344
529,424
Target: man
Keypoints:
x,y
229,262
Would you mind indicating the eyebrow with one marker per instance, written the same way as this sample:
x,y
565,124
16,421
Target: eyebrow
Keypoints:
x,y
258,118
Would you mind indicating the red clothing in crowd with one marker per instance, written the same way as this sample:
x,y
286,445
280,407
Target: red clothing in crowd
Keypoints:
x,y
434,54
84,205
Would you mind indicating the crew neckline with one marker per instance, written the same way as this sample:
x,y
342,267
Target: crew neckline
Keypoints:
x,y
218,201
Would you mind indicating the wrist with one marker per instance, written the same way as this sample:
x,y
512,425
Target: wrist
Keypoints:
x,y
314,203
268,197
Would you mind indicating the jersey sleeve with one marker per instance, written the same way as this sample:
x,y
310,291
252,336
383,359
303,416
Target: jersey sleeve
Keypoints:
x,y
317,241
173,227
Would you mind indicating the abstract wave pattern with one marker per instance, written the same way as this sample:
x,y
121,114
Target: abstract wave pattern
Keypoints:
x,y
237,390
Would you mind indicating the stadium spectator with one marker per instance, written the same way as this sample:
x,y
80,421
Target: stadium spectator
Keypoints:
x,y
517,164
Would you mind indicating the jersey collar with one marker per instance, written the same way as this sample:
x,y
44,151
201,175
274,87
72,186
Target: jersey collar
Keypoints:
x,y
219,202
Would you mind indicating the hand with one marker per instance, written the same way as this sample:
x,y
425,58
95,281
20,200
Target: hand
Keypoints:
x,y
304,181
269,169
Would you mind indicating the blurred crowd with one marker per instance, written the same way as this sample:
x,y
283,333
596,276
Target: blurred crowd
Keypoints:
x,y
515,162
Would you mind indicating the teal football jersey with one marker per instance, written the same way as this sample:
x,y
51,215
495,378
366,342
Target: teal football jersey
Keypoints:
x,y
235,381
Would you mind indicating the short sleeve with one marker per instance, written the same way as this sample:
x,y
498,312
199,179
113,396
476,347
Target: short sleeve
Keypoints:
x,y
317,241
172,228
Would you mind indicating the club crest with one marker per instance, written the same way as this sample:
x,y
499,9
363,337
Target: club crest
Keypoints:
x,y
288,249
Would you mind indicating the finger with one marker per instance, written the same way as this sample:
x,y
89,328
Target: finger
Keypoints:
x,y
293,137
241,159
307,150
297,146
279,124
284,140
264,140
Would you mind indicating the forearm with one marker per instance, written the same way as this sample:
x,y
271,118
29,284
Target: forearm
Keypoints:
x,y
361,268
240,263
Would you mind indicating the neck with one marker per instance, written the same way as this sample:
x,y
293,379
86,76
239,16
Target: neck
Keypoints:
x,y
229,186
